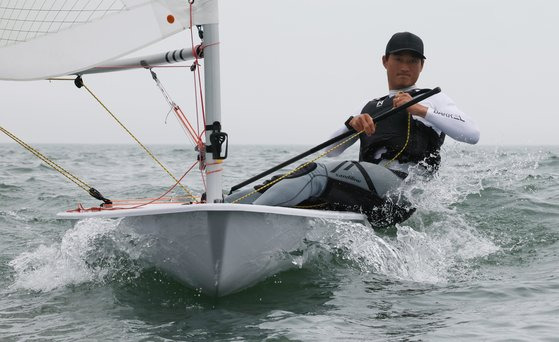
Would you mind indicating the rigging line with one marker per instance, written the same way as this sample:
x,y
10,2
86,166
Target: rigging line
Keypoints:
x,y
202,106
83,185
186,126
190,133
50,163
195,68
139,143
190,136
196,102
297,168
405,144
197,79
178,111
158,198
204,180
197,140
214,171
202,102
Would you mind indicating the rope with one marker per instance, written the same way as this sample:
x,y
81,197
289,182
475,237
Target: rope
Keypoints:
x,y
83,185
186,126
150,201
405,145
197,79
139,143
158,198
297,168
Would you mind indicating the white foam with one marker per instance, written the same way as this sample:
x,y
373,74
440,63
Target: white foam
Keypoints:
x,y
435,245
51,267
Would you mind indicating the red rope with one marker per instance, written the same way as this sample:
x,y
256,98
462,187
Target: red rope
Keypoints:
x,y
166,192
196,135
197,79
80,207
180,114
214,171
201,102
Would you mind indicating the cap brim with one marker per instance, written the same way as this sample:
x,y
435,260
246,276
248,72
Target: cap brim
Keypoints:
x,y
410,50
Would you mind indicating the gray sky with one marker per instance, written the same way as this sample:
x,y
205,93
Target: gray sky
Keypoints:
x,y
294,70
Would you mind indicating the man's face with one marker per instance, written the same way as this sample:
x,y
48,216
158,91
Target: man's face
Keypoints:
x,y
402,69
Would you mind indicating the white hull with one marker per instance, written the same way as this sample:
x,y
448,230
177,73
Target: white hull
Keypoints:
x,y
220,248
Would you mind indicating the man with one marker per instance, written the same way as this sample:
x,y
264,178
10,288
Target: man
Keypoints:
x,y
414,136
405,141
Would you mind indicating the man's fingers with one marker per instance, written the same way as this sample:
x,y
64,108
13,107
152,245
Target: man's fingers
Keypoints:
x,y
400,99
370,128
363,122
367,124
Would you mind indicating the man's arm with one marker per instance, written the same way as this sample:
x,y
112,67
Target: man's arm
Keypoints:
x,y
446,116
441,113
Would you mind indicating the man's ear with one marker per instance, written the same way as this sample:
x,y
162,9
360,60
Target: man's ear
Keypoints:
x,y
384,61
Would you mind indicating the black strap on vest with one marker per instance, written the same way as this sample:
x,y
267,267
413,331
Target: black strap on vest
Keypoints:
x,y
391,133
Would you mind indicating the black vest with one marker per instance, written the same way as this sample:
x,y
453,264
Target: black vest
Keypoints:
x,y
424,143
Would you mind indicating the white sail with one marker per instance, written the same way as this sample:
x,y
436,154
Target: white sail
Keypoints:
x,y
46,38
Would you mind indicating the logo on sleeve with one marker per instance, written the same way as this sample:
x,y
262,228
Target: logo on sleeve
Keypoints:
x,y
449,115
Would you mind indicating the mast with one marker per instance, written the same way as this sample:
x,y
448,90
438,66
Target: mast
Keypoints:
x,y
214,136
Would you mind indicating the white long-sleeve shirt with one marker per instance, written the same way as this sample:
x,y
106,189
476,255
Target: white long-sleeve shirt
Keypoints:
x,y
442,115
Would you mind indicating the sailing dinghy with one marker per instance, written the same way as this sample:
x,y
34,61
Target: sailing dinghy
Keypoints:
x,y
216,247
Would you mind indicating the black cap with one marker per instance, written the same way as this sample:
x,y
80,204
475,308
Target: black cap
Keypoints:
x,y
405,41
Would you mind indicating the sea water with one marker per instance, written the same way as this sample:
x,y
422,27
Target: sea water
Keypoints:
x,y
479,260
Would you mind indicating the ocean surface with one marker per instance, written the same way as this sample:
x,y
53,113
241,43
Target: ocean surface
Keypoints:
x,y
478,261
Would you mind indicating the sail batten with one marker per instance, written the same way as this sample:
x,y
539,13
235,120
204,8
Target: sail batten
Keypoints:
x,y
41,39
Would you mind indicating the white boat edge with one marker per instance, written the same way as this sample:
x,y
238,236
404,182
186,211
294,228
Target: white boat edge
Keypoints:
x,y
171,208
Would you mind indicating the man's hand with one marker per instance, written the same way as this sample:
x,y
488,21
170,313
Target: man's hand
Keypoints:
x,y
363,122
417,109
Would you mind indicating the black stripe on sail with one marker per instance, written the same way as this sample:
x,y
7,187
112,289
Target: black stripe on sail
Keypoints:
x,y
180,55
167,57
174,56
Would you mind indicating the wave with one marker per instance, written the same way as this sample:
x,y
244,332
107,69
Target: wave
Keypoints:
x,y
9,187
482,206
91,252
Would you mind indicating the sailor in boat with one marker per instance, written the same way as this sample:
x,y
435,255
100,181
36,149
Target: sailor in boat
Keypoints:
x,y
408,141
